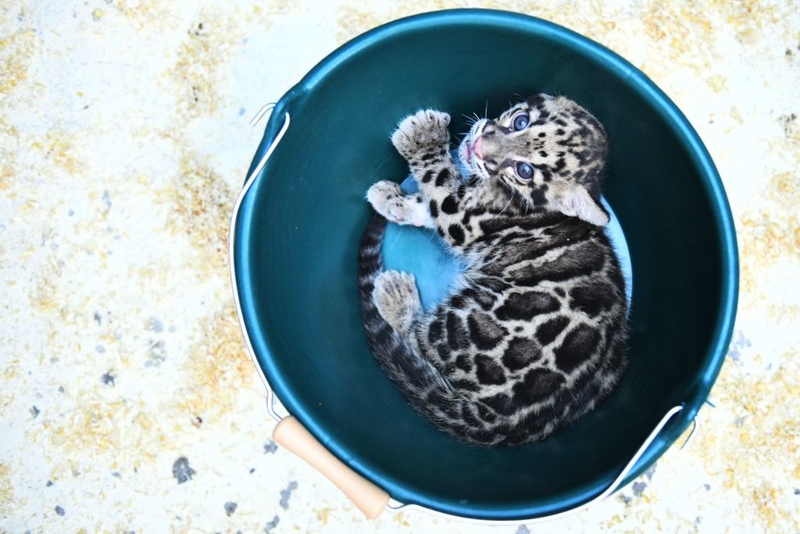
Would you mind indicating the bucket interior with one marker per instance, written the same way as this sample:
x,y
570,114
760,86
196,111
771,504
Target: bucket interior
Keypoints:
x,y
300,225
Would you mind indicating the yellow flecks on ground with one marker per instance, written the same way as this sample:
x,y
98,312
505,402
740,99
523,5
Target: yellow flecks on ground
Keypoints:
x,y
736,115
9,137
145,14
7,398
757,432
765,497
105,431
675,23
614,521
680,33
196,72
56,146
6,174
275,7
768,236
96,425
784,190
219,368
208,45
717,83
6,492
687,34
322,515
45,297
592,20
98,14
783,313
770,233
354,21
400,519
765,237
200,205
16,50
747,17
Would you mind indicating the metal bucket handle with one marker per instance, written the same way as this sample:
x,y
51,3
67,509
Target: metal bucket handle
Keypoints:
x,y
291,434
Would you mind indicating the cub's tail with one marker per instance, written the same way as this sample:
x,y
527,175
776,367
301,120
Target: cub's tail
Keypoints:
x,y
426,389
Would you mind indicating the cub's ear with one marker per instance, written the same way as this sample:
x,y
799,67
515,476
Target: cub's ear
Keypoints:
x,y
575,201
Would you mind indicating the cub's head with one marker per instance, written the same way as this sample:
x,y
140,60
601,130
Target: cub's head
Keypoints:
x,y
549,150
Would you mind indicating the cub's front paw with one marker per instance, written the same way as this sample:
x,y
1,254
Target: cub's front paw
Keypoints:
x,y
388,199
421,132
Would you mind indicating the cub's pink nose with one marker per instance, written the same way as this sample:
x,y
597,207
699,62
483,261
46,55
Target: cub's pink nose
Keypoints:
x,y
477,147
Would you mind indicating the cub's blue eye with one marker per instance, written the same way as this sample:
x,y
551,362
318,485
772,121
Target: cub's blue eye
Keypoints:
x,y
524,171
520,122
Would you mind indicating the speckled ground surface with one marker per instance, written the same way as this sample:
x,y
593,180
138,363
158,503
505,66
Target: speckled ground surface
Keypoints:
x,y
127,401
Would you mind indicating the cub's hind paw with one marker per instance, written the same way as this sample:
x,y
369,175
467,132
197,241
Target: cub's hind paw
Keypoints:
x,y
418,133
396,297
388,199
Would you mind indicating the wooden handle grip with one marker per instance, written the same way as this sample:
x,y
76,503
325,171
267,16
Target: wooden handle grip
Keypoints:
x,y
368,497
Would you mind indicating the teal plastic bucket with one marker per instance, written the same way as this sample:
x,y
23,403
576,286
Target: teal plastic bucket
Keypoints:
x,y
295,236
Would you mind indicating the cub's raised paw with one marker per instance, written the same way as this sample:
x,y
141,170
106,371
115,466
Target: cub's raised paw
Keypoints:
x,y
396,297
421,132
388,199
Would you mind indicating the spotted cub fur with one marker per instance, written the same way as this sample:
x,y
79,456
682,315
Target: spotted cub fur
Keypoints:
x,y
533,333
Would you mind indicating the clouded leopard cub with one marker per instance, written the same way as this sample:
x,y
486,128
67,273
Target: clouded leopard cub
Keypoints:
x,y
533,333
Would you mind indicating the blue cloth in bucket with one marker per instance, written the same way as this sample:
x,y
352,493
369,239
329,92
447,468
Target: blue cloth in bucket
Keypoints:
x,y
421,252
